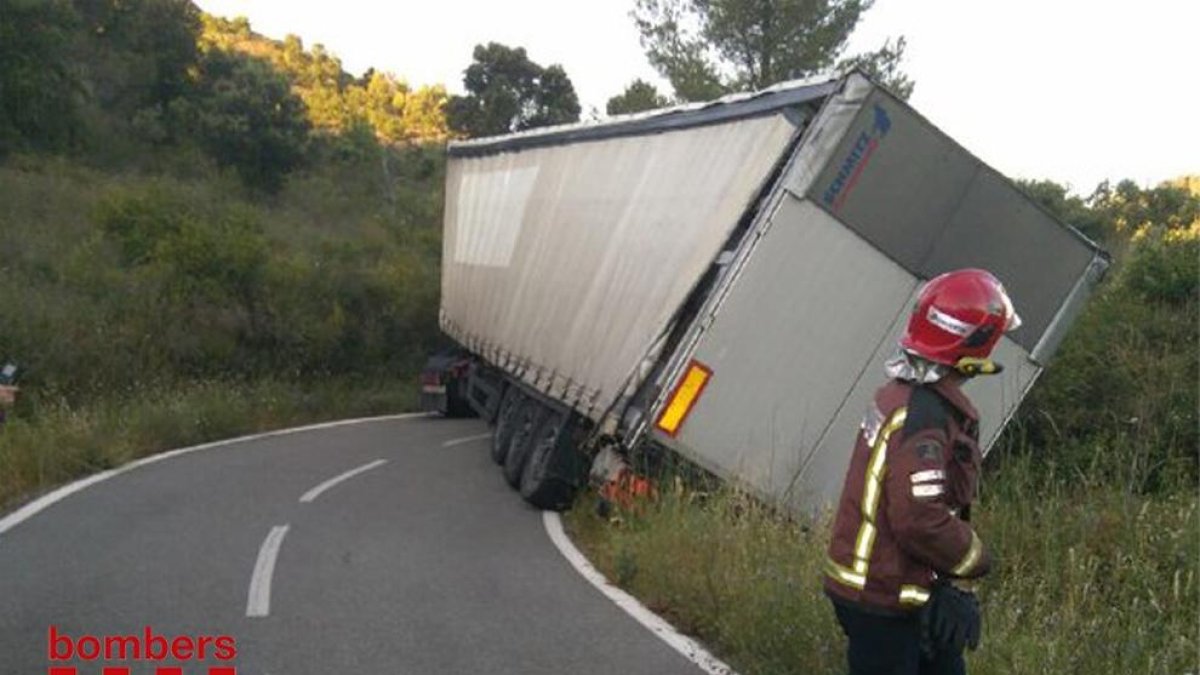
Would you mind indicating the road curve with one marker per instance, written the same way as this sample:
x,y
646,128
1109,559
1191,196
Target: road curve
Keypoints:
x,y
413,556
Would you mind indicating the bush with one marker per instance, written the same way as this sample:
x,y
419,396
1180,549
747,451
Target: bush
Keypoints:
x,y
1165,267
1119,402
172,280
247,117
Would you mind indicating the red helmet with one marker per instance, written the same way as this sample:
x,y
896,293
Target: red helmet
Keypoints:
x,y
959,315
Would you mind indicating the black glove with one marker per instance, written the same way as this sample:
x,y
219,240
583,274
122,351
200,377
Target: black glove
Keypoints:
x,y
951,619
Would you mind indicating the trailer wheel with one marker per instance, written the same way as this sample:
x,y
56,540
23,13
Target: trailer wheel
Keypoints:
x,y
506,421
521,441
539,484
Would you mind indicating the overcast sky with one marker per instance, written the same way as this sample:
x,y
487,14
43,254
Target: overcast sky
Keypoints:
x,y
1073,90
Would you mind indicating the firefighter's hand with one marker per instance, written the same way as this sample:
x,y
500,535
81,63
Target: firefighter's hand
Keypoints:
x,y
954,619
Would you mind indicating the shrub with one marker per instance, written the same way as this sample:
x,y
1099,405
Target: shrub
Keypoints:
x,y
1119,402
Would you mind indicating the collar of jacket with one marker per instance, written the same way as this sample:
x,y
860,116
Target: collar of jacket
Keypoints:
x,y
950,388
915,370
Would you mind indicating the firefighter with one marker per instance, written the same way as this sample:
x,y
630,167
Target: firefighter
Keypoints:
x,y
903,552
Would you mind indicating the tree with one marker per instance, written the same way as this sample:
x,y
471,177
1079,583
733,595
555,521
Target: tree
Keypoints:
x,y
336,102
638,96
247,118
507,92
1070,209
554,100
396,113
707,48
39,94
425,114
137,53
1115,215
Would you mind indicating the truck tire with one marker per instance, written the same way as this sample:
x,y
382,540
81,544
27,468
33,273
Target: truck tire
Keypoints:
x,y
541,485
506,419
527,418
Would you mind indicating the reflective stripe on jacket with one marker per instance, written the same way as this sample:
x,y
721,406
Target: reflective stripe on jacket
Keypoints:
x,y
915,467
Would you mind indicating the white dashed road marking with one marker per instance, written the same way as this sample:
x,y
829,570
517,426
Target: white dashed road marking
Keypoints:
x,y
468,439
258,603
316,492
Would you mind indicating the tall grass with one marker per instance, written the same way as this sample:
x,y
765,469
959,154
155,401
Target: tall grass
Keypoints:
x,y
1087,581
61,441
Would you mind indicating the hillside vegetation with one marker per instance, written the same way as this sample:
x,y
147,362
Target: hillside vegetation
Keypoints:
x,y
1089,499
204,232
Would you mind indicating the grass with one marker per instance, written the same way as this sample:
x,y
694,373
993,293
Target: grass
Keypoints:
x,y
150,311
123,282
1098,580
57,442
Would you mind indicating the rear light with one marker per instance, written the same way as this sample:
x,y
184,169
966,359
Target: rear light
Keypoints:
x,y
684,398
431,378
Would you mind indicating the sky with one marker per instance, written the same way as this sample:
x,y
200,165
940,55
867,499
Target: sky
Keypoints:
x,y
1077,91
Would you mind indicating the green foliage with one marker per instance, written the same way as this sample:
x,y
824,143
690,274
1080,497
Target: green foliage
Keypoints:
x,y
123,282
214,255
136,54
1119,403
247,118
39,92
1130,209
1165,268
51,442
1071,209
147,84
677,51
637,97
554,100
507,92
336,102
707,48
395,112
85,74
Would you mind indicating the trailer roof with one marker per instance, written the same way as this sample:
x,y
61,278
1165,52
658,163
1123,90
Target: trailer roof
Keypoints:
x,y
782,96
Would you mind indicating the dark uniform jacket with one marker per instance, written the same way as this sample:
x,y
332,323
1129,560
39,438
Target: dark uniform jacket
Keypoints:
x,y
914,470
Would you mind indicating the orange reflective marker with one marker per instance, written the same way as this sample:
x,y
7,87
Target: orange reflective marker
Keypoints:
x,y
684,398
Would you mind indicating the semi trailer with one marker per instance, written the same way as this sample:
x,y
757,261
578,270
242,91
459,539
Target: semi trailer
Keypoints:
x,y
724,281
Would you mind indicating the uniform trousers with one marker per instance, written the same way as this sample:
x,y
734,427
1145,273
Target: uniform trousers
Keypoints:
x,y
891,645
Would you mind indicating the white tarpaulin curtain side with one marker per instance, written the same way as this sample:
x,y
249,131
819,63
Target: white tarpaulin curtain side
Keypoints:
x,y
562,264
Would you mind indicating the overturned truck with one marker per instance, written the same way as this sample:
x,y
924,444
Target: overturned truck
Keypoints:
x,y
725,281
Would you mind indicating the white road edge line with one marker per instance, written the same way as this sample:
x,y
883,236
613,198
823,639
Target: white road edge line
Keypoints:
x,y
50,498
258,602
468,439
689,648
316,492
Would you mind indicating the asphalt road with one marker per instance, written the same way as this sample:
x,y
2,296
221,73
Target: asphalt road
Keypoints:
x,y
425,562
